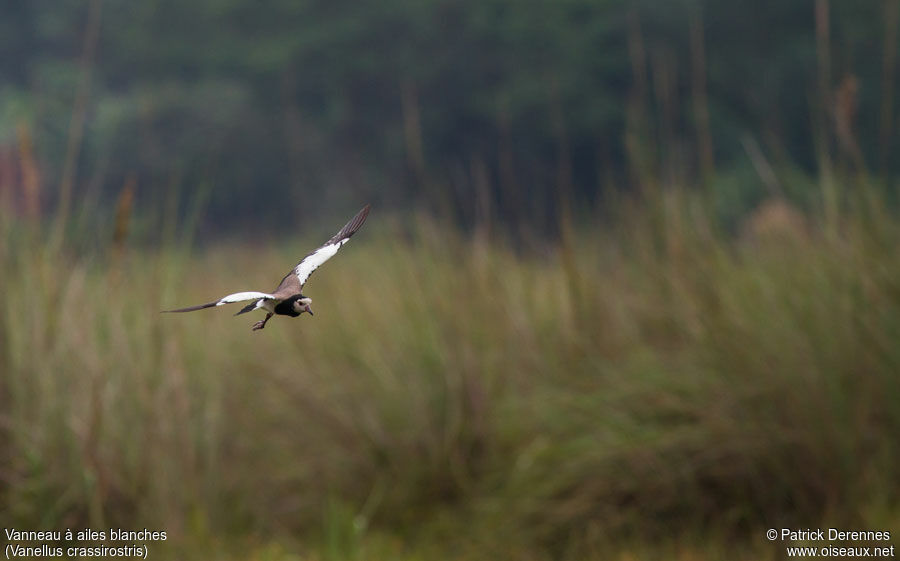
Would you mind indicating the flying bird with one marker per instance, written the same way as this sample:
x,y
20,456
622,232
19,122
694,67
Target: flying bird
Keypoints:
x,y
287,299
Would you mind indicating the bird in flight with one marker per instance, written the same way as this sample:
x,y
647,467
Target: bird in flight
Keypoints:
x,y
287,299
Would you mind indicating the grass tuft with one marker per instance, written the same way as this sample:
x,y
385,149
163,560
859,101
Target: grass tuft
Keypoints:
x,y
452,397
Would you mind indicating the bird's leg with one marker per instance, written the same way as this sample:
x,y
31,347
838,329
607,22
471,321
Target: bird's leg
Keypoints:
x,y
262,323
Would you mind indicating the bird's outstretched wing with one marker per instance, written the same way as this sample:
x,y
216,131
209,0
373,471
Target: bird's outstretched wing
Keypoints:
x,y
312,261
230,299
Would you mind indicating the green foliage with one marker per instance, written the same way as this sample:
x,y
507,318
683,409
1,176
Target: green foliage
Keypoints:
x,y
450,398
439,103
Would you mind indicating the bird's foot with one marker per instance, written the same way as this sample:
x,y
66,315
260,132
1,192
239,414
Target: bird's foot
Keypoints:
x,y
262,323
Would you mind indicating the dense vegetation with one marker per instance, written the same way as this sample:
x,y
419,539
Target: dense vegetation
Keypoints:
x,y
653,389
471,108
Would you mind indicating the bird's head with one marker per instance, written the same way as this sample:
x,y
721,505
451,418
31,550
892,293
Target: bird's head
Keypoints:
x,y
302,304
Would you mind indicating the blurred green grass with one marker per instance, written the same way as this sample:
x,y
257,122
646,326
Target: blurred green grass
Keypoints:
x,y
652,389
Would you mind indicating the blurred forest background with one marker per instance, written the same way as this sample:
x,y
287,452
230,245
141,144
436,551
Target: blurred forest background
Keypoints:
x,y
478,110
630,288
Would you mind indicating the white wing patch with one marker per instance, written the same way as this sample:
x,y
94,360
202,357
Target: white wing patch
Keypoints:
x,y
244,296
312,261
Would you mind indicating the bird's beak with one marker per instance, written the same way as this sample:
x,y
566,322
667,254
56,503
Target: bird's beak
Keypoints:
x,y
309,309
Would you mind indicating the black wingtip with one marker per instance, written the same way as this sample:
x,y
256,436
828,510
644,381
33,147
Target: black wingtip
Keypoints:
x,y
248,308
357,220
190,309
351,227
360,217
